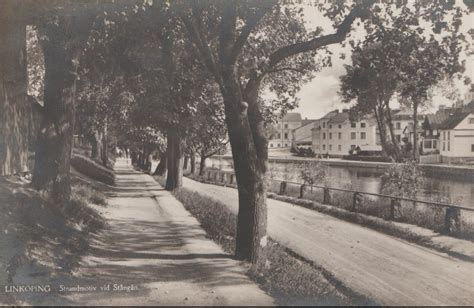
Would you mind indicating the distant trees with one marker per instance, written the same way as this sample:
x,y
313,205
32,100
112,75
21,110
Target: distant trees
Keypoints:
x,y
402,58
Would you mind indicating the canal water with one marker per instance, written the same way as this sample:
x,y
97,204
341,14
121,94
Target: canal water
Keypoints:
x,y
369,180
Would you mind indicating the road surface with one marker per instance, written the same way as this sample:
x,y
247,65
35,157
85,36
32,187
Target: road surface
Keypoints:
x,y
388,270
156,249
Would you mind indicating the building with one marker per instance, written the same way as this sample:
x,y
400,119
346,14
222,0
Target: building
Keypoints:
x,y
456,137
282,134
303,134
403,126
336,134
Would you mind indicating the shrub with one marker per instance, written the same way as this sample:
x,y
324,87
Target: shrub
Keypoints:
x,y
92,169
90,194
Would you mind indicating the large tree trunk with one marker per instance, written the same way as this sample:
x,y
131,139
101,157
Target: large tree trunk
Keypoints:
x,y
174,178
193,164
248,145
61,53
161,167
15,110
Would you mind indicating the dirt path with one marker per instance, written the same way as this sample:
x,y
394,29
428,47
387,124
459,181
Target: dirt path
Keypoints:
x,y
386,269
156,250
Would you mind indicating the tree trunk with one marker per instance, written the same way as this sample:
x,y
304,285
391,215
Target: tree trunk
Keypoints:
x,y
185,164
202,165
395,144
248,143
15,110
105,146
415,136
95,152
161,168
193,164
61,54
174,178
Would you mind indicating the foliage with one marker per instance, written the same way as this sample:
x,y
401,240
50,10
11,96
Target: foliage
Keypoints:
x,y
402,180
313,173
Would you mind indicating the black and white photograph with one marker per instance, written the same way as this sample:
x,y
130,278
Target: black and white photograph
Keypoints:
x,y
236,152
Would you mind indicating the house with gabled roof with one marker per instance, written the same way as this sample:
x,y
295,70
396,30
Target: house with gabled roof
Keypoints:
x,y
456,136
282,136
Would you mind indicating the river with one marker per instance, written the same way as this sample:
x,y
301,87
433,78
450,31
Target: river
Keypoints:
x,y
369,180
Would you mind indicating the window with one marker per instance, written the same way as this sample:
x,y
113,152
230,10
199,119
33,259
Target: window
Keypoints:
x,y
271,145
339,135
362,135
449,135
449,148
428,144
353,146
330,135
279,136
435,144
444,135
278,145
472,147
339,148
324,147
330,147
444,146
340,126
353,135
398,125
399,137
286,125
353,125
362,125
330,125
286,136
286,144
324,124
324,135
471,120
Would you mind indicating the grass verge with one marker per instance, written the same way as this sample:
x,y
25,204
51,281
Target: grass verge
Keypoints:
x,y
287,277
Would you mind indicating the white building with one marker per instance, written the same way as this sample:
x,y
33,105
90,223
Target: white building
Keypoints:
x,y
336,134
282,135
456,135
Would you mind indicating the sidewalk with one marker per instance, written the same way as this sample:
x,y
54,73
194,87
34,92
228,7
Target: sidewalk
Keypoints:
x,y
384,268
159,254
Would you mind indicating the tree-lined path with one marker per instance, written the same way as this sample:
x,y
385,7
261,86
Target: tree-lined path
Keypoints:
x,y
153,243
388,270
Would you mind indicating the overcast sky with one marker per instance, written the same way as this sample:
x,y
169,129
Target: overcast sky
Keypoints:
x,y
320,95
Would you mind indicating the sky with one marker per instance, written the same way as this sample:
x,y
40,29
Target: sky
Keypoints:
x,y
320,95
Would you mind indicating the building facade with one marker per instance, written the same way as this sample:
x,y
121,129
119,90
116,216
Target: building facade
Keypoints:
x,y
336,135
282,134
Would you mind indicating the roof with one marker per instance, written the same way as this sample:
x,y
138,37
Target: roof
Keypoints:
x,y
435,120
330,114
339,118
307,121
453,120
292,117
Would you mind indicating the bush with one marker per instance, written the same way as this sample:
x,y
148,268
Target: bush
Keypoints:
x,y
92,169
90,194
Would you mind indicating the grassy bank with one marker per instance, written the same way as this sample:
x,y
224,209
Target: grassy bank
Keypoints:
x,y
40,239
92,169
290,279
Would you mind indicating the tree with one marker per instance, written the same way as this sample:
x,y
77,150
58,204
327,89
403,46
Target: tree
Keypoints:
x,y
14,106
280,48
61,58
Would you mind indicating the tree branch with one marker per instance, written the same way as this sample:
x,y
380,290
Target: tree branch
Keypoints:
x,y
250,25
342,30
